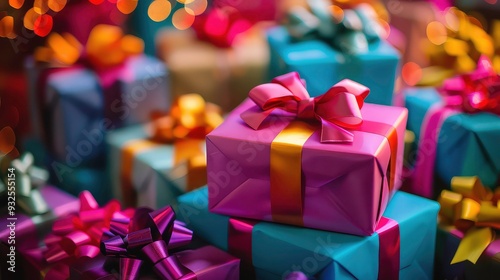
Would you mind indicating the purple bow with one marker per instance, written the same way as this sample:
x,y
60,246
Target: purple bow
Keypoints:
x,y
147,236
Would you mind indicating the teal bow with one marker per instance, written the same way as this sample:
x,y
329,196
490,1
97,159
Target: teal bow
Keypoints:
x,y
351,32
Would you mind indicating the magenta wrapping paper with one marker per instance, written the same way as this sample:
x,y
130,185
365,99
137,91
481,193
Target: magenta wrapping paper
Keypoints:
x,y
345,185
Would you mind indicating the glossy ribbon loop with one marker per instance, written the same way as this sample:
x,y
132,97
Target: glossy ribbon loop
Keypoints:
x,y
474,210
78,235
337,110
147,237
478,91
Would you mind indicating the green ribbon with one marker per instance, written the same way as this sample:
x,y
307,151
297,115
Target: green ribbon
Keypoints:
x,y
27,178
350,33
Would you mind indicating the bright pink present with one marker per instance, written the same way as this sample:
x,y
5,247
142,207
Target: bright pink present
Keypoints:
x,y
329,162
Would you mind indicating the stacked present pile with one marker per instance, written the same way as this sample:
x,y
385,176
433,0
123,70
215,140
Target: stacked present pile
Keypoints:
x,y
306,139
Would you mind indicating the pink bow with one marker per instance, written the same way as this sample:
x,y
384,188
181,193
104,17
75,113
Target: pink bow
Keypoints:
x,y
478,91
337,109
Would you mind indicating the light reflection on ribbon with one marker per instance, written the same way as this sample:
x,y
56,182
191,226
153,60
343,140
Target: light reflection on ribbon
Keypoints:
x,y
147,236
475,211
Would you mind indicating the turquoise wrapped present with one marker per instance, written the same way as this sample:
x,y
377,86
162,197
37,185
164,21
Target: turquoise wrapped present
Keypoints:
x,y
275,250
467,143
326,52
143,172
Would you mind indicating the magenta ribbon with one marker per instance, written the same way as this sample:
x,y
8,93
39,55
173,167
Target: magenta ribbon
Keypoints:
x,y
337,110
77,235
478,91
147,236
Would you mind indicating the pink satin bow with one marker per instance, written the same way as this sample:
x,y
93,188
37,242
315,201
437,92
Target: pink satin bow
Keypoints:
x,y
147,236
337,109
478,91
77,235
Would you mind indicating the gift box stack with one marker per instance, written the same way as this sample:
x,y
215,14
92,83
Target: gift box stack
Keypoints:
x,y
452,98
308,139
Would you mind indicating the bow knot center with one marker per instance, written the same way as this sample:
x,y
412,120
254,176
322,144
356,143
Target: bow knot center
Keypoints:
x,y
305,109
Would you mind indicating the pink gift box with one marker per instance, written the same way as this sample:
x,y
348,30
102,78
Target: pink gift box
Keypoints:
x,y
345,186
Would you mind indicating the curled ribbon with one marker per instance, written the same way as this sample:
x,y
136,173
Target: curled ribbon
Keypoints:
x,y
477,91
337,110
350,30
475,211
27,178
106,46
77,235
148,236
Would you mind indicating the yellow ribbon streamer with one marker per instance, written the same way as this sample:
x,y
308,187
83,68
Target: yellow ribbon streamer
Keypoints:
x,y
474,210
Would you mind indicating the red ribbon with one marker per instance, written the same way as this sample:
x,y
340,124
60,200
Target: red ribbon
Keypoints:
x,y
220,26
240,244
147,236
338,109
478,91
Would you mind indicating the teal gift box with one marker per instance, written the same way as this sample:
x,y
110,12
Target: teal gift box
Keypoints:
x,y
467,144
145,173
277,249
323,66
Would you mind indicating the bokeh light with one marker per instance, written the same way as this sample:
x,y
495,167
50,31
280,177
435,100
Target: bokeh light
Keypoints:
x,y
96,2
132,45
436,32
30,18
159,10
411,73
16,4
185,1
7,140
182,20
43,25
57,5
65,49
41,6
126,6
7,27
196,7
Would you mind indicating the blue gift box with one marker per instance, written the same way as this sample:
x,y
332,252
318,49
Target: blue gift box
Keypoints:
x,y
279,249
156,179
467,144
322,66
79,105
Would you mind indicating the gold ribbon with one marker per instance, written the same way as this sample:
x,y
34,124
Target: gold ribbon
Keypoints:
x,y
185,127
286,173
455,47
474,210
106,46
